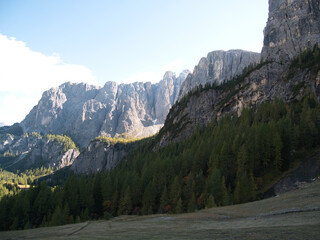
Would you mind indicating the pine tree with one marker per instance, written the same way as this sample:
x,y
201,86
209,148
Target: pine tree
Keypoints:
x,y
179,207
225,200
213,186
57,218
192,205
277,146
125,206
175,191
148,200
237,192
164,201
114,203
210,203
97,195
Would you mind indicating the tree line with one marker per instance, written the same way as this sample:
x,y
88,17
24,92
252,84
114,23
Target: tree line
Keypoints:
x,y
229,161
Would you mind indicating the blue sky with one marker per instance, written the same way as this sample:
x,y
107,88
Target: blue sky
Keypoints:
x,y
50,42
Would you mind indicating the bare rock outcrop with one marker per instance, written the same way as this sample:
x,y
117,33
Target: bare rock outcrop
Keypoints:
x,y
269,80
217,67
34,150
293,26
84,112
99,156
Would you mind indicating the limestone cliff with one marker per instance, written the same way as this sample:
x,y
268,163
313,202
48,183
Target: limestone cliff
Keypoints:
x,y
293,25
33,150
84,112
100,156
217,67
275,77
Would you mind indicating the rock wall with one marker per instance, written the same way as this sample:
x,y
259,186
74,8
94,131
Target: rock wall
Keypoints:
x,y
33,150
293,25
217,67
99,156
84,112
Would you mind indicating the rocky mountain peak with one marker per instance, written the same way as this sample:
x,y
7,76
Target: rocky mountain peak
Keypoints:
x,y
84,111
293,26
169,75
217,67
183,75
34,150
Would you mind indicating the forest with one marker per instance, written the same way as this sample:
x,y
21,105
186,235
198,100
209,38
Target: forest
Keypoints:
x,y
226,162
12,183
232,160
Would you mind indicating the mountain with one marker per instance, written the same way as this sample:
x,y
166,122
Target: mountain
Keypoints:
x,y
217,67
84,112
251,82
221,144
134,110
33,150
276,76
102,154
293,25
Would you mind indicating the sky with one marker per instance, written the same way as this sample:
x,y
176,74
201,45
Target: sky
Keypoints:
x,y
45,43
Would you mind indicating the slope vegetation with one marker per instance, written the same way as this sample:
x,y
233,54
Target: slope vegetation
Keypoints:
x,y
293,215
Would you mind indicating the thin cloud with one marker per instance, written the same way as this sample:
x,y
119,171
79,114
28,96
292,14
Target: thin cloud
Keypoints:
x,y
22,69
14,107
25,74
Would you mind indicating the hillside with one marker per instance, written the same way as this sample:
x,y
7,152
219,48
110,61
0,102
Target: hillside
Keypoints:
x,y
293,215
33,150
233,161
84,112
221,144
292,28
217,67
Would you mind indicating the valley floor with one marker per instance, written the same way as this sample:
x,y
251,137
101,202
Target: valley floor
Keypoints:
x,y
293,215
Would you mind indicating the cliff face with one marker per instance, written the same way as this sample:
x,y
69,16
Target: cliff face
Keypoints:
x,y
84,112
99,156
293,25
33,150
276,78
217,67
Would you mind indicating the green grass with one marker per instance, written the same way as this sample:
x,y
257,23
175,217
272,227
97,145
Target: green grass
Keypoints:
x,y
293,215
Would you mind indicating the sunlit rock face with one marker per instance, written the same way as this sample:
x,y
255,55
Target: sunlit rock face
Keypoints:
x,y
217,67
84,111
293,25
33,151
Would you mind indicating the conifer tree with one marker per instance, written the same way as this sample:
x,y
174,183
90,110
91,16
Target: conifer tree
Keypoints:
x,y
125,203
179,207
225,200
210,203
192,205
164,201
97,195
175,191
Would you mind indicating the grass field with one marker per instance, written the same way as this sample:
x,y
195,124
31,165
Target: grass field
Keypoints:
x,y
293,215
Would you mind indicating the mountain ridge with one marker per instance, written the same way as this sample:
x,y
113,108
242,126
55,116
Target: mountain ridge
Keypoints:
x,y
217,67
84,111
266,81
